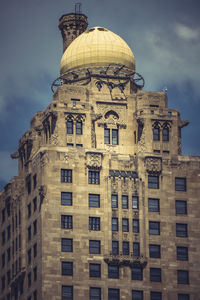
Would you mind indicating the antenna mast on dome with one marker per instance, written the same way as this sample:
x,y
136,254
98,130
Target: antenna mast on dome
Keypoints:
x,y
78,7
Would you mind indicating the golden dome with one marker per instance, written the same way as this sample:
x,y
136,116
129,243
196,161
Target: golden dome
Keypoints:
x,y
97,47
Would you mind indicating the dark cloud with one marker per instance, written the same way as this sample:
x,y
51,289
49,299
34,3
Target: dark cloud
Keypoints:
x,y
164,36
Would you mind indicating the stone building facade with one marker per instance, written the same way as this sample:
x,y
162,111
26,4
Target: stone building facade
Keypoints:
x,y
104,206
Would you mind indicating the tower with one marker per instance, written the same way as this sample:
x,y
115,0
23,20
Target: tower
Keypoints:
x,y
104,206
72,25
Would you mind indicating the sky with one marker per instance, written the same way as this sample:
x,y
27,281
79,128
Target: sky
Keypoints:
x,y
163,35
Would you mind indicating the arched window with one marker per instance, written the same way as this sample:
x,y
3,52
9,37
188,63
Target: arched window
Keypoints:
x,y
70,126
165,134
79,127
156,133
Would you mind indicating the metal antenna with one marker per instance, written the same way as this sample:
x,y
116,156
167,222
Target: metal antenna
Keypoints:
x,y
78,8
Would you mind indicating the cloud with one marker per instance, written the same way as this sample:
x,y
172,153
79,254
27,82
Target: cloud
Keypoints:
x,y
186,33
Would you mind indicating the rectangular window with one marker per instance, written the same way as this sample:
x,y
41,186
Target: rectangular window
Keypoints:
x,y
94,247
66,222
156,296
137,295
66,198
29,256
3,215
115,247
114,224
67,292
8,276
3,237
135,202
67,268
79,127
155,274
3,260
35,295
125,248
34,181
28,183
154,251
180,184
35,227
29,233
182,253
182,277
35,250
35,204
154,204
95,293
94,223
95,270
125,225
113,294
181,230
154,228
94,200
136,227
137,273
114,200
113,271
136,249
107,136
70,127
35,273
66,245
8,232
125,201
29,210
115,137
153,182
183,297
8,254
94,177
181,207
29,279
66,175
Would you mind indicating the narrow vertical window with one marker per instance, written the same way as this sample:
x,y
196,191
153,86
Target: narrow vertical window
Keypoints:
x,y
79,127
107,136
165,134
115,137
156,133
114,200
70,127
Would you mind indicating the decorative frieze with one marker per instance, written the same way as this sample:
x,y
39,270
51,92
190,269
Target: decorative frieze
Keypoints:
x,y
153,164
124,174
126,260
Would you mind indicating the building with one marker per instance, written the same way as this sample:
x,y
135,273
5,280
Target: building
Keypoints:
x,y
104,206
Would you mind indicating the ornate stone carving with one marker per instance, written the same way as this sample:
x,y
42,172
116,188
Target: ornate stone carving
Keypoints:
x,y
54,139
94,160
153,164
114,184
43,158
122,260
116,117
42,194
94,118
125,185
